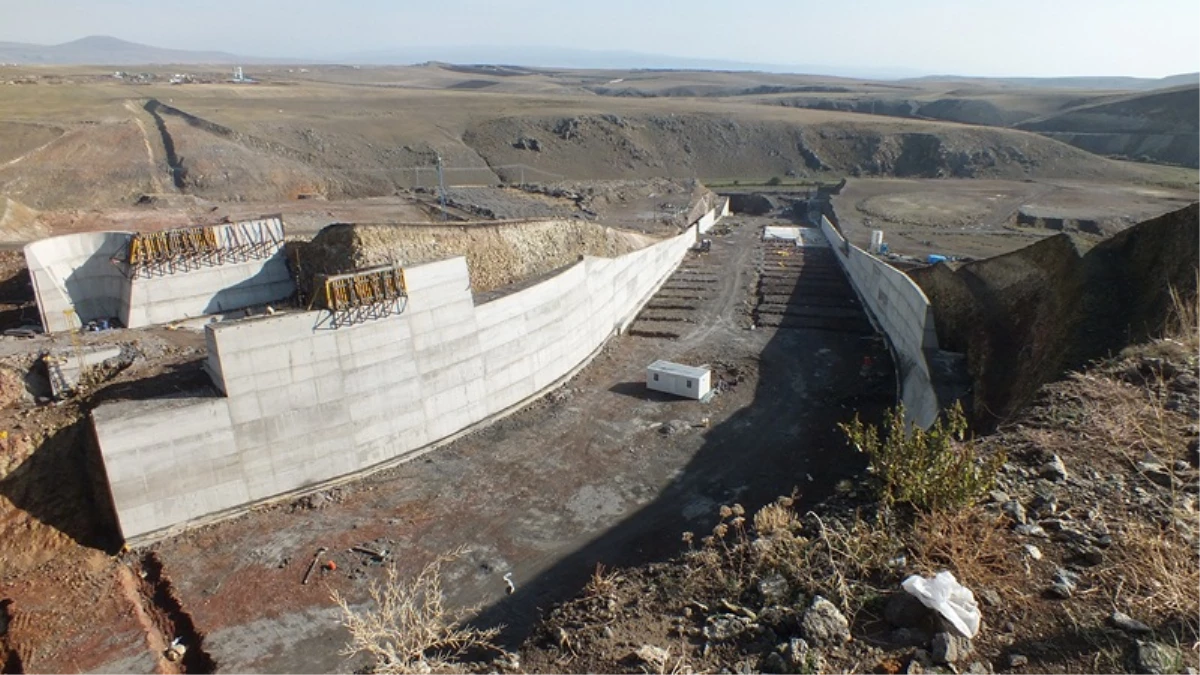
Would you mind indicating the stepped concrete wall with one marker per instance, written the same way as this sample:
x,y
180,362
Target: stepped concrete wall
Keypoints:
x,y
304,404
84,273
900,308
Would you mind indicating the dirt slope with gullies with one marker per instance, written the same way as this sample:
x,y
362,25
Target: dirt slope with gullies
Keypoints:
x,y
724,146
498,254
1024,317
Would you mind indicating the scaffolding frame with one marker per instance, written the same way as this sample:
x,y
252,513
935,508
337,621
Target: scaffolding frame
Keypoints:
x,y
365,295
186,249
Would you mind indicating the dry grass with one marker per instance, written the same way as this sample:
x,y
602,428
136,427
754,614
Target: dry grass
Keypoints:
x,y
973,546
1183,318
408,628
1154,572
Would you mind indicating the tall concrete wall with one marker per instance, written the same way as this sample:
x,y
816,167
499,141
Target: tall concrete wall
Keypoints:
x,y
75,279
902,311
84,272
305,404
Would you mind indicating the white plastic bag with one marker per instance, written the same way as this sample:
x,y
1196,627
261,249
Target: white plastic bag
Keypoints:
x,y
949,598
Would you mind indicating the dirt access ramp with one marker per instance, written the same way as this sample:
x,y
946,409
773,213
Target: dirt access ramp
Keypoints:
x,y
1025,317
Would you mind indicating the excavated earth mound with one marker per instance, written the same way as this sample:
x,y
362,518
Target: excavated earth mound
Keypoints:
x,y
1025,317
498,254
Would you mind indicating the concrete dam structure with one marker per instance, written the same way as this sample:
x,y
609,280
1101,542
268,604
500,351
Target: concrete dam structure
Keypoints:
x,y
160,277
303,403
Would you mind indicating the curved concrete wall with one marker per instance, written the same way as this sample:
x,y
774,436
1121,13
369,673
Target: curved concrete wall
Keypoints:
x,y
77,271
305,404
901,310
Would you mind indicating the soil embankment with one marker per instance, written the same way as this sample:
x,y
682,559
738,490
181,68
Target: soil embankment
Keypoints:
x,y
1025,317
497,254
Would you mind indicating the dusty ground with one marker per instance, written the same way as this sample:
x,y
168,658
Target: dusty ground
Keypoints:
x,y
599,471
982,218
1093,514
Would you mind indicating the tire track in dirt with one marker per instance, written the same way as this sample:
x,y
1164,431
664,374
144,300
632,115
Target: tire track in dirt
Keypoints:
x,y
174,164
155,183
17,160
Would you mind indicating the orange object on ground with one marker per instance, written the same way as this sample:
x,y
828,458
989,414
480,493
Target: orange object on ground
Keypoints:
x,y
330,565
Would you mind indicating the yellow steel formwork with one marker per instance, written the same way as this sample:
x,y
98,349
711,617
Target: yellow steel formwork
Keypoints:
x,y
364,295
188,248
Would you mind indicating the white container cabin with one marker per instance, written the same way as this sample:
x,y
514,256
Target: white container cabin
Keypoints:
x,y
678,379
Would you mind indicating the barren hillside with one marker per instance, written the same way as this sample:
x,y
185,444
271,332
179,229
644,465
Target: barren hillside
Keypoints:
x,y
227,143
1157,126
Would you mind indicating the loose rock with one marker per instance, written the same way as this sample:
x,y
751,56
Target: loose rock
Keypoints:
x,y
1054,470
1153,658
950,647
1015,510
720,627
1063,585
1129,624
823,624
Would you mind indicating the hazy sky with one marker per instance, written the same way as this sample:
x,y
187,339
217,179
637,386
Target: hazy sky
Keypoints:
x,y
1149,38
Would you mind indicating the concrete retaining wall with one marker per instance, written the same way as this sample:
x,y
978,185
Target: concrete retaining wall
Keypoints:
x,y
207,290
900,308
306,404
78,272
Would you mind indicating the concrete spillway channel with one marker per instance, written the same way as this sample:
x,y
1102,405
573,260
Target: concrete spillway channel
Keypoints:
x,y
675,305
804,287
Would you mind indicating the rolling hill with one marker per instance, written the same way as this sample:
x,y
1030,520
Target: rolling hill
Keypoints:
x,y
110,51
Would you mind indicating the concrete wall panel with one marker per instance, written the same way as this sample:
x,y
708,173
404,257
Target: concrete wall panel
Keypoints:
x,y
900,308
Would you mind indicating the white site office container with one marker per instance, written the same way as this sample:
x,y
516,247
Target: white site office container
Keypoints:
x,y
680,380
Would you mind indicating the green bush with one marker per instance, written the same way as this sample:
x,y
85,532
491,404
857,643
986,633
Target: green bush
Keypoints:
x,y
929,470
775,180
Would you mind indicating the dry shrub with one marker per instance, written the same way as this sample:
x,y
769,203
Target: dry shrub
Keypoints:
x,y
970,545
602,584
848,563
776,518
408,628
928,470
721,561
1154,572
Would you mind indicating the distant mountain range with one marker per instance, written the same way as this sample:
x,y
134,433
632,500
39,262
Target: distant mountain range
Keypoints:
x,y
102,50
111,51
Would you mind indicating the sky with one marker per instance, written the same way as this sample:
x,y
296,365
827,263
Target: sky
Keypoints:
x,y
1036,38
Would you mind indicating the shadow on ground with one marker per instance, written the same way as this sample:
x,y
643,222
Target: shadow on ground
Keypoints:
x,y
786,440
61,484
